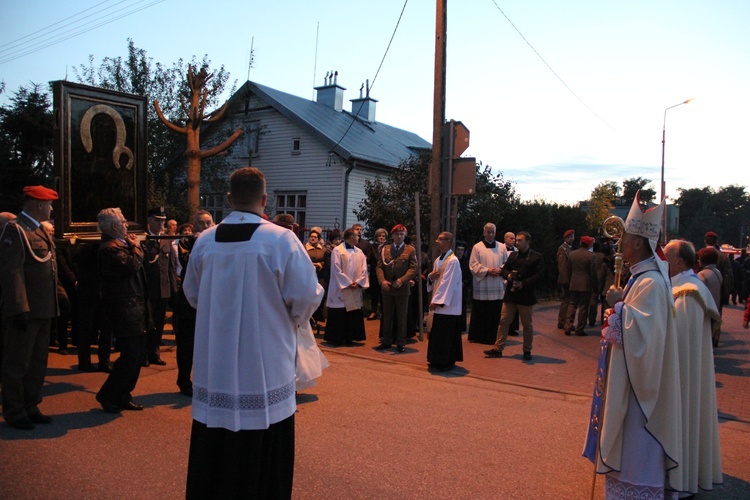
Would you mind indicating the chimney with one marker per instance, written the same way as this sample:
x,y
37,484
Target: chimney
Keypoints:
x,y
331,94
364,107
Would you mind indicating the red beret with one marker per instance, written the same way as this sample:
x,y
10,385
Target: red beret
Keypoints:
x,y
711,234
40,193
398,227
567,233
587,240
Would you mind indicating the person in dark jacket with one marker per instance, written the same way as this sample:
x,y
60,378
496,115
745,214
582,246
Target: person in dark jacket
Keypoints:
x,y
124,295
185,337
523,270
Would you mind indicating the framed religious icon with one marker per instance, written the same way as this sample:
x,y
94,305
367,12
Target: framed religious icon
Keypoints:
x,y
100,147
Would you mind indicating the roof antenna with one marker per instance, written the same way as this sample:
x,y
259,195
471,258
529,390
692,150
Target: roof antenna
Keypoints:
x,y
251,59
315,64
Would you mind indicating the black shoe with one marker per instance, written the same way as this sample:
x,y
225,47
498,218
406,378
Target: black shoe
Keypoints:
x,y
157,361
87,368
131,406
186,390
582,334
372,316
560,326
513,333
145,364
527,355
568,333
105,367
400,348
382,347
108,406
24,424
40,418
592,323
63,352
493,353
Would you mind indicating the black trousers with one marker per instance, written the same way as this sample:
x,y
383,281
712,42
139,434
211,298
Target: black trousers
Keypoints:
x,y
158,309
243,464
185,337
121,382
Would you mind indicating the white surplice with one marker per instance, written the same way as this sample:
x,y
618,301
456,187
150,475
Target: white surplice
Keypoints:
x,y
250,298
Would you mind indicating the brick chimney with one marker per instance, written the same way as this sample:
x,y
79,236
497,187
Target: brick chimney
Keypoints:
x,y
331,94
364,107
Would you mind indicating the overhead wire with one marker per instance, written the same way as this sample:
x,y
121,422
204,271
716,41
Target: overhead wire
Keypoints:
x,y
382,60
550,68
71,33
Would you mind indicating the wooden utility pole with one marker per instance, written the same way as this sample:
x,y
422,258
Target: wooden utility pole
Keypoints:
x,y
196,116
438,119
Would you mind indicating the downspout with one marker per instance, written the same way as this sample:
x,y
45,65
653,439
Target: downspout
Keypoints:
x,y
346,193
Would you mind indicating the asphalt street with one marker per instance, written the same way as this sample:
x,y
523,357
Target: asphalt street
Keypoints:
x,y
377,425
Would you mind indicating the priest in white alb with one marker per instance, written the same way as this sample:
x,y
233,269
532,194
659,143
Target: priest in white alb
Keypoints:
x,y
640,442
445,283
346,322
252,284
697,318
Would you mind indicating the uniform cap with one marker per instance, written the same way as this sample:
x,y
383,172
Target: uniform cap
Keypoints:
x,y
157,213
40,193
398,228
587,240
567,233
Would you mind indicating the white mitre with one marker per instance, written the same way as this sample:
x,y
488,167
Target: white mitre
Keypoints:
x,y
647,223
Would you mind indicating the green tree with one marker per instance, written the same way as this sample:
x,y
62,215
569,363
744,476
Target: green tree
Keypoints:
x,y
602,202
391,200
631,186
139,74
725,211
25,144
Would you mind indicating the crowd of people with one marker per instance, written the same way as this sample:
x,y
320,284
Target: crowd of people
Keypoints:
x,y
115,293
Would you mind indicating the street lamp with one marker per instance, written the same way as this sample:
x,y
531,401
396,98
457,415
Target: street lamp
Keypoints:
x,y
663,184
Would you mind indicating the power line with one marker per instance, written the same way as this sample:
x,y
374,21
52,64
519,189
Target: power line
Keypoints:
x,y
15,42
71,33
550,68
393,35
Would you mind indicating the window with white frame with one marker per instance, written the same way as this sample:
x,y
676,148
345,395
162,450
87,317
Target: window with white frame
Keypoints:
x,y
294,203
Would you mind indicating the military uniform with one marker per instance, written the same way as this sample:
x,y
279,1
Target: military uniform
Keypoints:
x,y
396,264
28,277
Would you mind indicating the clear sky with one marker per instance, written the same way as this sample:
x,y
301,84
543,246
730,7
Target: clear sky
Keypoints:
x,y
625,61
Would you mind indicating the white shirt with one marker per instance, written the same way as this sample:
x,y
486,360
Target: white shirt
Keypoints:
x,y
250,296
483,259
348,265
446,290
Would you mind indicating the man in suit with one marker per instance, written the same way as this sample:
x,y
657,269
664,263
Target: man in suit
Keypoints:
x,y
563,275
161,274
397,266
28,280
582,281
124,307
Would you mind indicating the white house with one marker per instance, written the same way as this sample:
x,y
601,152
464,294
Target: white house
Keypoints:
x,y
315,155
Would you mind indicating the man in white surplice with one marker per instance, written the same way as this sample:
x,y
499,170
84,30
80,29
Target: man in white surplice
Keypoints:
x,y
349,276
697,318
252,283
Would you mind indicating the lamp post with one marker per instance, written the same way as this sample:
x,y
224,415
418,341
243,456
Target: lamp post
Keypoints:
x,y
663,184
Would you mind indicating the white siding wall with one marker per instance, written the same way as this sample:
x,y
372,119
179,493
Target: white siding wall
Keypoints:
x,y
304,172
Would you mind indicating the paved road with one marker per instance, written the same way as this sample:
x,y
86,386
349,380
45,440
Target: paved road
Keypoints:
x,y
378,425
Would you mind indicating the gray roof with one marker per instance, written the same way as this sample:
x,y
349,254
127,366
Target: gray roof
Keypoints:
x,y
350,137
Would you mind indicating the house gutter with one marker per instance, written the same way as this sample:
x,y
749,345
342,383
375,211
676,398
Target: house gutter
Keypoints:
x,y
346,193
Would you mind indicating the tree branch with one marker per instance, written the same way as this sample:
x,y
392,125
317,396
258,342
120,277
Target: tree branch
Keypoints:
x,y
221,147
170,125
